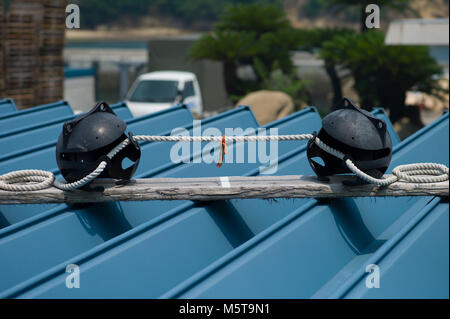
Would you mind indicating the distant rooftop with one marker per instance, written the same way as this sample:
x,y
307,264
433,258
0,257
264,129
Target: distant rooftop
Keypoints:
x,y
419,32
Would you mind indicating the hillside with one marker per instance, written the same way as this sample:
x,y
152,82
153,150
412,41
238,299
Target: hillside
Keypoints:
x,y
156,22
312,13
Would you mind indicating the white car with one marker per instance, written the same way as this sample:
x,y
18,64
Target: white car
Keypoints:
x,y
156,91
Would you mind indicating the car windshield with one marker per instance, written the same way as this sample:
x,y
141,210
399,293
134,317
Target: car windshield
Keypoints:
x,y
155,91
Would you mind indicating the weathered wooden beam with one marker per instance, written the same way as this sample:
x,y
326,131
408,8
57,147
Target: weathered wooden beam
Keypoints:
x,y
217,188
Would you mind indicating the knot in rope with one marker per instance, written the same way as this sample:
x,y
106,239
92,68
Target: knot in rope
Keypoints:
x,y
223,151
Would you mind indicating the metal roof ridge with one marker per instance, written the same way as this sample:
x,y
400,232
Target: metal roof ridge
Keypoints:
x,y
251,112
48,214
25,151
6,231
7,100
313,203
223,262
36,109
236,252
385,249
228,113
243,107
55,171
52,121
171,165
54,271
35,147
423,130
307,109
38,147
121,234
36,126
91,253
168,110
282,158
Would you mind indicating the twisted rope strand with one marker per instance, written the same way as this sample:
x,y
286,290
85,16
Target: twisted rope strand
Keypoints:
x,y
26,180
32,180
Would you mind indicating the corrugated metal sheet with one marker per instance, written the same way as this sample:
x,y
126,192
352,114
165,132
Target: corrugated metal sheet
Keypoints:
x,y
239,248
43,156
39,114
321,249
26,138
381,114
7,106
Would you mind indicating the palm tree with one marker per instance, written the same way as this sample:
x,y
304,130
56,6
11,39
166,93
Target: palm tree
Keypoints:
x,y
246,32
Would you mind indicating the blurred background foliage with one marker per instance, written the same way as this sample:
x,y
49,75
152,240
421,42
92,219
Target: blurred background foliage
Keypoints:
x,y
257,37
99,12
313,40
198,14
383,74
202,14
360,6
261,36
248,35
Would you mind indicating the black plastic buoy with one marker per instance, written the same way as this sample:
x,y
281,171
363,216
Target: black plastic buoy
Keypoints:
x,y
356,133
86,140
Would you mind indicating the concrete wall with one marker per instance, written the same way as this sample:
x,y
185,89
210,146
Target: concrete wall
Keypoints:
x,y
172,54
79,89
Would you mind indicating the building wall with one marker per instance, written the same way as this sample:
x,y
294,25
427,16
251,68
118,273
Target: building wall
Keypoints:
x,y
172,54
79,89
31,51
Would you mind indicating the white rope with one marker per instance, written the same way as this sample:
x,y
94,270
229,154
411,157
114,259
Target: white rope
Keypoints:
x,y
26,180
84,181
228,139
33,180
413,173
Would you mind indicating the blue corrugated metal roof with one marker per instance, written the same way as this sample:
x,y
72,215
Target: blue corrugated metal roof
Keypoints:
x,y
43,156
7,106
31,116
318,248
238,248
45,133
138,214
381,114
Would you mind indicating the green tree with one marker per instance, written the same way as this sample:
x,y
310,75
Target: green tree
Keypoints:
x,y
188,13
98,12
246,32
312,40
383,74
196,10
276,80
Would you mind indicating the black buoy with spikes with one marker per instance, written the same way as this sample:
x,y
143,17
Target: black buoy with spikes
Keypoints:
x,y
85,141
358,134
